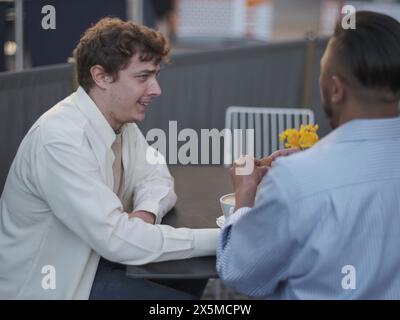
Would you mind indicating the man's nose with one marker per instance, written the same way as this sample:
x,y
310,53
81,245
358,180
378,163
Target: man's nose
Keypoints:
x,y
154,88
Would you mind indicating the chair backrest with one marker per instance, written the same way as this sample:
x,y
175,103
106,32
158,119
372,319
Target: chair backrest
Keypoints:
x,y
259,129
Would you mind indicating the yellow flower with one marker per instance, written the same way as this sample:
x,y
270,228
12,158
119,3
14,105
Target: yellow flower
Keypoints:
x,y
309,128
308,139
304,138
291,137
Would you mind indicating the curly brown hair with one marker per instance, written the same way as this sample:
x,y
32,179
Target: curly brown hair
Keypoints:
x,y
111,43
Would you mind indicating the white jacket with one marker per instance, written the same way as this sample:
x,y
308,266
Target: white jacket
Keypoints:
x,y
58,212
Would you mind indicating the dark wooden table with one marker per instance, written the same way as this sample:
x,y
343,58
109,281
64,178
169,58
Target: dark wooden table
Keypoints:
x,y
199,189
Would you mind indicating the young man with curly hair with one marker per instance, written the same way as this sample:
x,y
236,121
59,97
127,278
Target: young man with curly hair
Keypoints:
x,y
80,187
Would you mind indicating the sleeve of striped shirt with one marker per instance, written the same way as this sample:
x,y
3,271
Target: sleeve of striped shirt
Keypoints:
x,y
256,245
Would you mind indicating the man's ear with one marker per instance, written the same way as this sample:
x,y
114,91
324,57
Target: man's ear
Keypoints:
x,y
100,77
338,90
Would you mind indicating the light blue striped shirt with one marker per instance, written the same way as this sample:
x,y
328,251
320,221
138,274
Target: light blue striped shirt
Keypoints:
x,y
326,221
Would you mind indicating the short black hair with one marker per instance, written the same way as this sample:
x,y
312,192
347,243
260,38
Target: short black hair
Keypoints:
x,y
371,51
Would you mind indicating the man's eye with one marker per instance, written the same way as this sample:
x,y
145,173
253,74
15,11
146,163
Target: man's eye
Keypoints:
x,y
143,77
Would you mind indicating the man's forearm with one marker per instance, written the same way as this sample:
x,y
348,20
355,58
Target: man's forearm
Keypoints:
x,y
245,196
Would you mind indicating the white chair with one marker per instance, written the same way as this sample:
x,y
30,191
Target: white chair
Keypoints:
x,y
255,131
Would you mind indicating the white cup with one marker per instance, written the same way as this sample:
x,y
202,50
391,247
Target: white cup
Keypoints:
x,y
227,203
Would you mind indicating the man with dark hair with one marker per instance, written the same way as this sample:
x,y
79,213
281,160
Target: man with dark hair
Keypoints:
x,y
364,61
80,186
324,223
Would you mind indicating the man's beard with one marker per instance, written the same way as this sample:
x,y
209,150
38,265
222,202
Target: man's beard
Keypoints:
x,y
327,106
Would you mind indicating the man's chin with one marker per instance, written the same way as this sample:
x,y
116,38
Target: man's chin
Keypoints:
x,y
136,119
139,118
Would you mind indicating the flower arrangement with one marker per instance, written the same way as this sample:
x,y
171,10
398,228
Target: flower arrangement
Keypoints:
x,y
304,138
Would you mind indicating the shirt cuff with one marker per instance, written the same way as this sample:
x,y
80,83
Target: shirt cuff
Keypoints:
x,y
205,241
237,215
150,206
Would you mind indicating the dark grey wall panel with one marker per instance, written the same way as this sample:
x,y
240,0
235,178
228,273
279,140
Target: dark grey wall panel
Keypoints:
x,y
197,88
24,96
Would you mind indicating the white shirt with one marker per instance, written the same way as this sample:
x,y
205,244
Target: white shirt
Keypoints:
x,y
58,207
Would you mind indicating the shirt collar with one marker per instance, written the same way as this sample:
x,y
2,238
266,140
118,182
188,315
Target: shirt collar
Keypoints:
x,y
365,129
95,117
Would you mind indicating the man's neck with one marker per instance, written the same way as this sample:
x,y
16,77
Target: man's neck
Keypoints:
x,y
378,111
101,102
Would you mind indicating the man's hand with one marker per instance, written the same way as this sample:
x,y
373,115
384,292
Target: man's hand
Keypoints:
x,y
267,161
283,153
245,185
146,216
